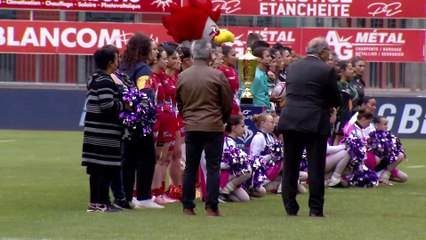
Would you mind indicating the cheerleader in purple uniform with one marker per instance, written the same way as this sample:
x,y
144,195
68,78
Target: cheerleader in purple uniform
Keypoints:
x,y
368,105
388,153
356,142
337,159
265,124
232,177
373,161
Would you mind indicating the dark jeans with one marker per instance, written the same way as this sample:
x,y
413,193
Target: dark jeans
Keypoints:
x,y
316,147
100,177
212,144
116,185
138,157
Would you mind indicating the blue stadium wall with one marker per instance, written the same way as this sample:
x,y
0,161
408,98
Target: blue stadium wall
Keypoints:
x,y
48,109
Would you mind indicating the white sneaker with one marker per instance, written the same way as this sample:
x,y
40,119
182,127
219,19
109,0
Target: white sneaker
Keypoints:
x,y
168,199
149,203
333,182
279,189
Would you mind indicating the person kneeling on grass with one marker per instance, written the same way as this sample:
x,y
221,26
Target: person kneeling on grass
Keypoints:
x,y
336,160
235,169
386,154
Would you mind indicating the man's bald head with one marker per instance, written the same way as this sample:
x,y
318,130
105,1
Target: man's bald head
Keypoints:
x,y
317,46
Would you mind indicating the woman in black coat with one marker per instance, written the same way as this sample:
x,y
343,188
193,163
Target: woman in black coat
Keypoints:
x,y
102,129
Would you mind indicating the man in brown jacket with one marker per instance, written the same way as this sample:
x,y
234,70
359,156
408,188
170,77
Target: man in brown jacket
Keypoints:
x,y
204,98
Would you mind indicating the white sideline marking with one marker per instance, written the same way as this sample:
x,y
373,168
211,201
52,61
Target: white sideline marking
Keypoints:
x,y
415,166
418,193
7,140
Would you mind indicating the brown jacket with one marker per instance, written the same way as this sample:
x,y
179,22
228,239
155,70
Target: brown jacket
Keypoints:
x,y
204,98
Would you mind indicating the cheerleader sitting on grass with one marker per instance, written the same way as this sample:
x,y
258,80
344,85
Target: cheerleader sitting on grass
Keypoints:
x,y
386,153
235,166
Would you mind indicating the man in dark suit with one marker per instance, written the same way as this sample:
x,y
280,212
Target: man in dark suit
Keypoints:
x,y
305,121
204,98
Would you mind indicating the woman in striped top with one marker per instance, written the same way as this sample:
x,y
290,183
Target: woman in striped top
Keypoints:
x,y
102,129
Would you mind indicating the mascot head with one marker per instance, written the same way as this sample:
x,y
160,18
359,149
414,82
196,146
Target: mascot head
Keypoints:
x,y
192,22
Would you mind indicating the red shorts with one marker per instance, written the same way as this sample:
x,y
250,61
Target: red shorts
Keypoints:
x,y
371,163
165,127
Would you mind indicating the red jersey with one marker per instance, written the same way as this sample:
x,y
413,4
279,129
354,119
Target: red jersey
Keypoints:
x,y
169,85
157,78
234,82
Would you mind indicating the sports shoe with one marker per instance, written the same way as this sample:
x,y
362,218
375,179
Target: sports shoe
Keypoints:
x,y
224,198
148,203
122,204
168,199
333,182
91,207
112,208
160,200
280,189
96,207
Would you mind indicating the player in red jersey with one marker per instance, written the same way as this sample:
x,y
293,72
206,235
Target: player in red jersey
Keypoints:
x,y
228,68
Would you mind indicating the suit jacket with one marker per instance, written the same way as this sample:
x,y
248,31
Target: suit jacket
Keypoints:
x,y
204,98
311,92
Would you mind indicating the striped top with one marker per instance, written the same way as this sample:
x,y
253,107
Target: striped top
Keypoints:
x,y
102,127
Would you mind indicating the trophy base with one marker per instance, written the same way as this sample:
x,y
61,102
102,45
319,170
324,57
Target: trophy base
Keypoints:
x,y
246,100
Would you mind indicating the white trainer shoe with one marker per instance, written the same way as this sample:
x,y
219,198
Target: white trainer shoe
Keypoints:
x,y
333,182
168,199
148,203
279,189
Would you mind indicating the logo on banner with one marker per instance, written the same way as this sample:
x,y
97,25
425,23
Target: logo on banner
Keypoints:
x,y
227,6
248,134
370,44
308,8
341,45
273,36
162,3
387,10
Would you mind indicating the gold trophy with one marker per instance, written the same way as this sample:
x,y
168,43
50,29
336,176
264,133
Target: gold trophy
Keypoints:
x,y
247,70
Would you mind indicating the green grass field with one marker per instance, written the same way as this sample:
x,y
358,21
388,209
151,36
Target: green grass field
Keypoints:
x,y
44,195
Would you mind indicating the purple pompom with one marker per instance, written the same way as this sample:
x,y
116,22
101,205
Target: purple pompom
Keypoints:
x,y
272,154
258,174
384,145
237,160
357,150
361,176
142,118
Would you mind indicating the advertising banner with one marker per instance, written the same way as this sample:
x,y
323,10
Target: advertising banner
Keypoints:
x,y
83,38
280,8
374,45
407,116
289,37
70,37
248,111
129,6
324,8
